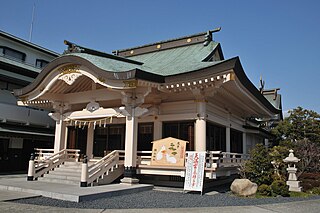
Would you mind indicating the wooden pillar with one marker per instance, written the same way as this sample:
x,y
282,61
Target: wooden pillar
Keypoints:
x,y
228,145
90,138
200,126
157,130
244,143
130,160
132,100
60,137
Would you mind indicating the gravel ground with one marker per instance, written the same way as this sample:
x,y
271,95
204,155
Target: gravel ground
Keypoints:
x,y
161,199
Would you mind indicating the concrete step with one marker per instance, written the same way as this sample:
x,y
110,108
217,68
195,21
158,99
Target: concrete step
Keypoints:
x,y
69,170
72,164
62,177
61,181
68,173
69,192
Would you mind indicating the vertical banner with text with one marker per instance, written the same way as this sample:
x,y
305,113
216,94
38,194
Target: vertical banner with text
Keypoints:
x,y
194,171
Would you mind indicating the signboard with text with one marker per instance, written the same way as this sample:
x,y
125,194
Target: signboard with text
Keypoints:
x,y
194,171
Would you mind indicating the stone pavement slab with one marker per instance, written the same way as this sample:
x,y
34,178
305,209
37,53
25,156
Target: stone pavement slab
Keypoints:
x,y
69,192
310,206
6,195
28,208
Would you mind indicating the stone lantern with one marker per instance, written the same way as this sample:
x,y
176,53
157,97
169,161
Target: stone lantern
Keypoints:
x,y
293,183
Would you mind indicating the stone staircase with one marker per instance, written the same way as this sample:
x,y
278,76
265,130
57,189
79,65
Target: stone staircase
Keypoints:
x,y
68,173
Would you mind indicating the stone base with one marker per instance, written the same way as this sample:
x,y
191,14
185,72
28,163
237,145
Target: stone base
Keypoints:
x,y
130,181
294,186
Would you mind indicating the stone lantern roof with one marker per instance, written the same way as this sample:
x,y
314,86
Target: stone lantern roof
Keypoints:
x,y
291,158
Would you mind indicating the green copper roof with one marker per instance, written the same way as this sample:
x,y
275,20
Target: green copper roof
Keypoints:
x,y
107,64
177,60
165,63
276,102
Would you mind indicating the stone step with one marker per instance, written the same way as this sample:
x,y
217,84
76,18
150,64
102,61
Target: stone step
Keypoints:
x,y
66,173
53,180
72,164
62,177
69,170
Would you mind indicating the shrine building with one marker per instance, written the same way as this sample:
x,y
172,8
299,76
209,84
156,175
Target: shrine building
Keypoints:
x,y
121,102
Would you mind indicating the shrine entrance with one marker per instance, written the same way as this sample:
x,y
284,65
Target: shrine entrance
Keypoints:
x,y
107,139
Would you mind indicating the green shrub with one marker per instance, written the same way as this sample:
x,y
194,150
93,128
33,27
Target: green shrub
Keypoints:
x,y
299,194
316,190
279,187
258,168
264,189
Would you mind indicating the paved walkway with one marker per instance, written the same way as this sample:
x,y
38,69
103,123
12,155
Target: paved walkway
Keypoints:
x,y
63,191
311,206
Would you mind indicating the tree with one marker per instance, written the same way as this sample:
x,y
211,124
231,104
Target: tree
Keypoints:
x,y
258,168
300,125
301,132
309,155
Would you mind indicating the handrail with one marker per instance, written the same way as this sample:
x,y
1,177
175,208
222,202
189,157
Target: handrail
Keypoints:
x,y
42,166
214,159
103,166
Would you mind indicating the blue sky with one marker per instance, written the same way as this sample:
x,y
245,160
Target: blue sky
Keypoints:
x,y
278,39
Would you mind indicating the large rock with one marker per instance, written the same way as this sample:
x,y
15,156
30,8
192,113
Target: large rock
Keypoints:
x,y
243,187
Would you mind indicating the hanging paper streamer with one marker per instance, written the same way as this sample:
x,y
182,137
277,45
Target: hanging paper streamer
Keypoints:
x,y
83,123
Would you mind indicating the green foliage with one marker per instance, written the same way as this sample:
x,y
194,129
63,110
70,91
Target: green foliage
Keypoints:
x,y
264,190
299,194
259,168
301,132
279,187
277,154
315,190
301,124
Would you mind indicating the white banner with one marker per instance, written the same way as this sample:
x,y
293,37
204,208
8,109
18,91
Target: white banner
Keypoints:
x,y
194,171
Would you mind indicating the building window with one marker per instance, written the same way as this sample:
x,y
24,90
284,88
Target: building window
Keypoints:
x,y
216,137
145,136
236,141
181,130
13,54
41,63
9,86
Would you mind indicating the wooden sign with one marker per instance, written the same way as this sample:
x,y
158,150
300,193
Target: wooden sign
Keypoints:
x,y
168,152
194,171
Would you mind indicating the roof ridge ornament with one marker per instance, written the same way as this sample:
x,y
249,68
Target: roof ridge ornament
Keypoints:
x,y
72,48
262,83
209,37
